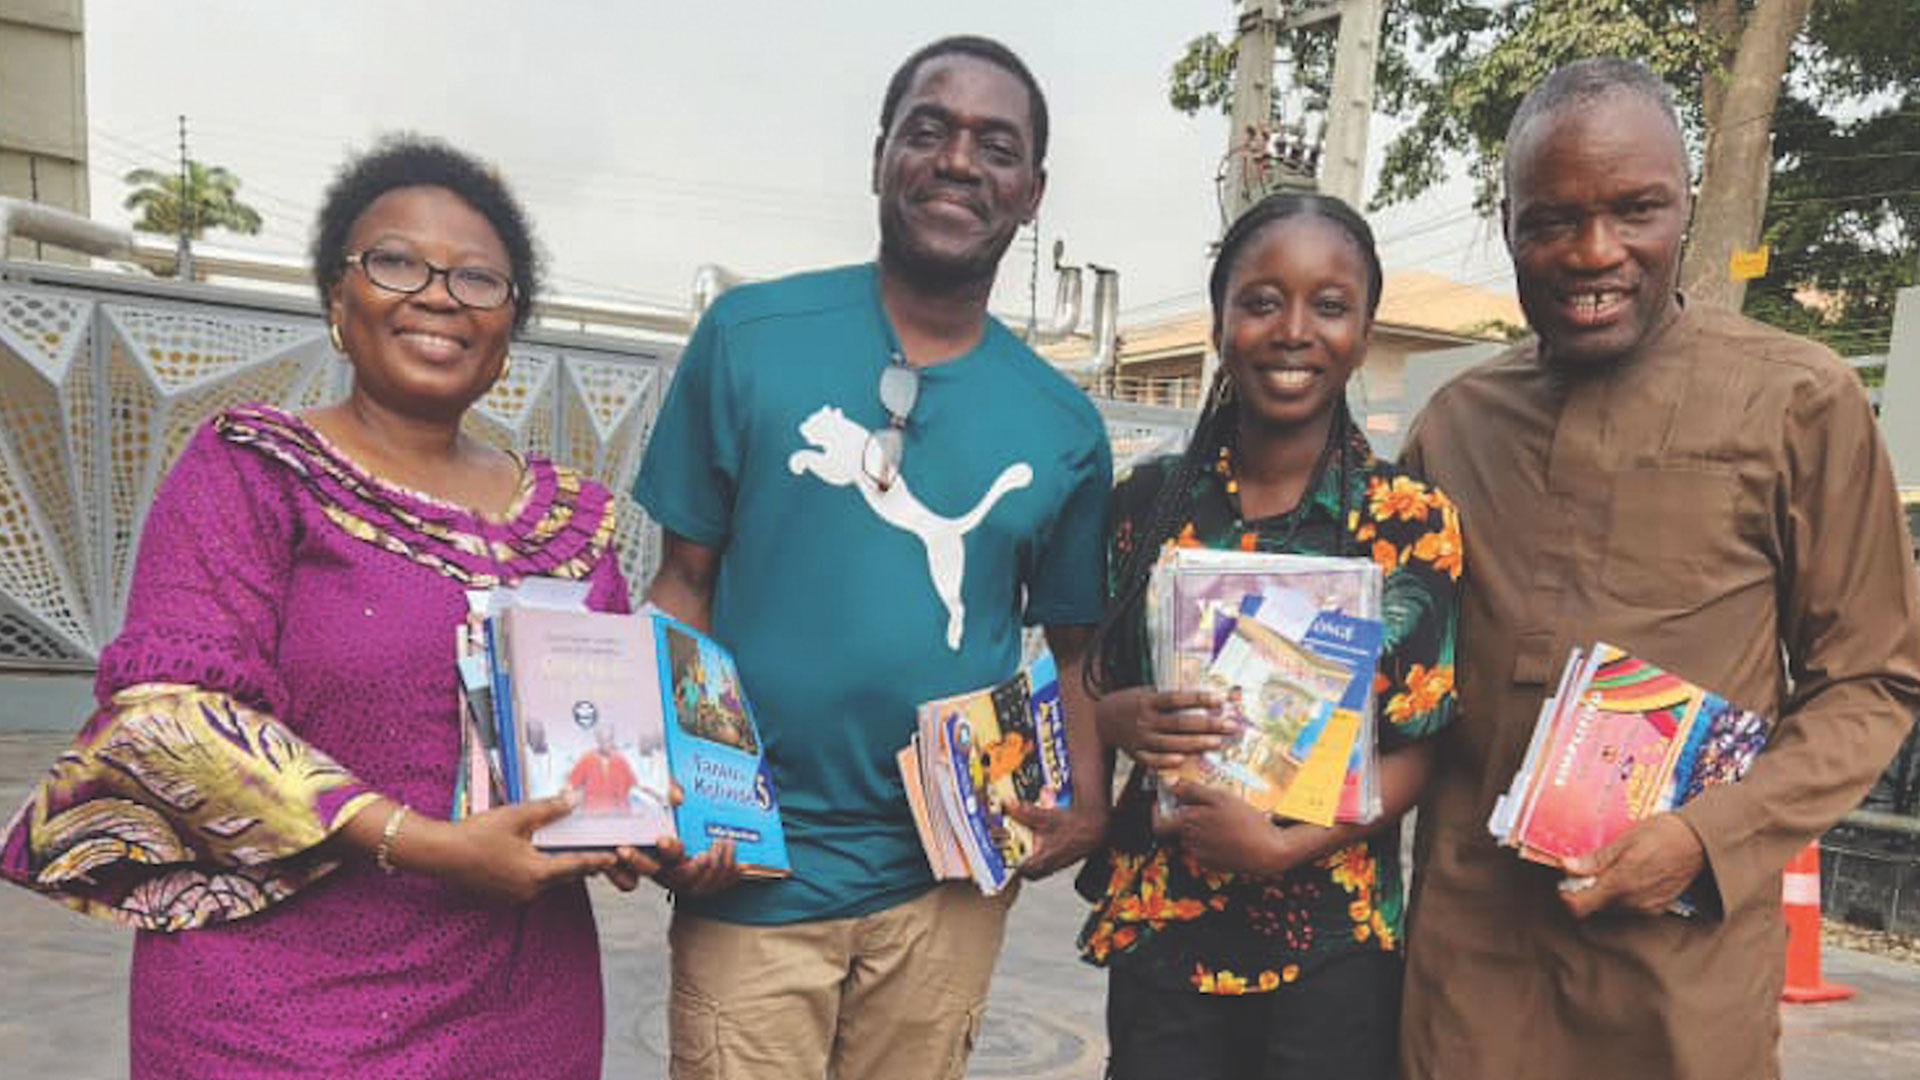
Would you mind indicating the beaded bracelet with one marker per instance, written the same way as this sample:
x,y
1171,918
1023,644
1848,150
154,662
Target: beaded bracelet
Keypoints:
x,y
383,852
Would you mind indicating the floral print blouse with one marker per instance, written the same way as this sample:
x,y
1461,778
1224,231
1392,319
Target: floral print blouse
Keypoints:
x,y
1156,912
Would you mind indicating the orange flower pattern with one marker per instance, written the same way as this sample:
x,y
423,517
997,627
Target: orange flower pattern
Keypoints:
x,y
1185,927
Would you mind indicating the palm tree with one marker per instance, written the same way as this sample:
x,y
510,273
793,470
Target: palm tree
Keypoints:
x,y
212,201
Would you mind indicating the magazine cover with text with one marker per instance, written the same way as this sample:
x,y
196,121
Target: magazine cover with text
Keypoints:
x,y
586,717
714,749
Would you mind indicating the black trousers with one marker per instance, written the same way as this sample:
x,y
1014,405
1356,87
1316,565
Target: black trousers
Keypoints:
x,y
1341,1021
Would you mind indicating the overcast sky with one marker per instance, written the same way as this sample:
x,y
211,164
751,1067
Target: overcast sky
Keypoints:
x,y
649,138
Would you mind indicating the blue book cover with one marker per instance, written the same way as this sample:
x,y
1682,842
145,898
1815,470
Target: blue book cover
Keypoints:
x,y
503,711
1049,734
714,751
994,846
1354,642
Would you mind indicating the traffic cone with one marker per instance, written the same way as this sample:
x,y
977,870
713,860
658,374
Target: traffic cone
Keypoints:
x,y
1800,902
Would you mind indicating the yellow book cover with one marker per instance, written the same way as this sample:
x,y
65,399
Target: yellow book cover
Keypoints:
x,y
1314,794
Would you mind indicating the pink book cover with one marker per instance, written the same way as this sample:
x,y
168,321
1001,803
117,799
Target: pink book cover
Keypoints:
x,y
587,716
1614,758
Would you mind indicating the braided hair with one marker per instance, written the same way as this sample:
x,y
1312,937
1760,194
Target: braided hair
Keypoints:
x,y
1118,647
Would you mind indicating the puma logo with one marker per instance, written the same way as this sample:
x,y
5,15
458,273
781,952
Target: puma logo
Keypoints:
x,y
837,444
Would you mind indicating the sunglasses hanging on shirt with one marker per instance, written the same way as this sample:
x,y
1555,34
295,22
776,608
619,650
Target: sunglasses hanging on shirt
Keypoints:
x,y
899,389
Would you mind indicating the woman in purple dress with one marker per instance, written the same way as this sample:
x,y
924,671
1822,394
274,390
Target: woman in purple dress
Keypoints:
x,y
264,790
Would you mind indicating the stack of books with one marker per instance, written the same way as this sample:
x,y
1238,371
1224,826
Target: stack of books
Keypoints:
x,y
973,755
622,709
1619,741
1290,643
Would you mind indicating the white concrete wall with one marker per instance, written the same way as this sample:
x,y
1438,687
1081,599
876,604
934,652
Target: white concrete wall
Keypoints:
x,y
43,105
1900,393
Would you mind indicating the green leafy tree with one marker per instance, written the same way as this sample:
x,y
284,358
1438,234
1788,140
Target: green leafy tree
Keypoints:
x,y
1843,213
210,200
1455,71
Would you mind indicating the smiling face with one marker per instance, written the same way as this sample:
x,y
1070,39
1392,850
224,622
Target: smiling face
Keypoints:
x,y
1294,323
1594,218
956,174
422,353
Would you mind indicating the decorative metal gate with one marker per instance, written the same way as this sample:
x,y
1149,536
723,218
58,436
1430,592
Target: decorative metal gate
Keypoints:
x,y
104,377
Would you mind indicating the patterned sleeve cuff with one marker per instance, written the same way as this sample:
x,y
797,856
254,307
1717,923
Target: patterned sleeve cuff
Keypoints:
x,y
179,807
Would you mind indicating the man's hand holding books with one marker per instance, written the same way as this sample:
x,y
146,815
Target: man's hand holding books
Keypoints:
x,y
1617,748
1644,870
1062,835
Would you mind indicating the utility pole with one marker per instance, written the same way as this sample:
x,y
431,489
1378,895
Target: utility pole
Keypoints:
x,y
1356,54
1252,124
1259,158
1249,130
183,258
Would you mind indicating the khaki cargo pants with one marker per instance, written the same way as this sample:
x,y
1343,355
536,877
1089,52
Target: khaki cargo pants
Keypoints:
x,y
894,995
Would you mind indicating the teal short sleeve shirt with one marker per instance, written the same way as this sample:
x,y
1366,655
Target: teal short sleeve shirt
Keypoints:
x,y
846,605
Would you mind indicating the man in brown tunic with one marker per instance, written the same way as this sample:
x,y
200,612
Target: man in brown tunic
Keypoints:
x,y
1707,493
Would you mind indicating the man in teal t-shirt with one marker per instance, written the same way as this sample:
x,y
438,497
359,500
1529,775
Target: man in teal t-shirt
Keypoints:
x,y
869,487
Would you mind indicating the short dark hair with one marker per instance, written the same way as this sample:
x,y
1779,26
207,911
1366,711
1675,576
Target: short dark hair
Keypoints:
x,y
1279,207
399,161
1580,83
980,48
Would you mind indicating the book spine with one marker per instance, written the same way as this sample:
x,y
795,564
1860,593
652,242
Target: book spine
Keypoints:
x,y
503,708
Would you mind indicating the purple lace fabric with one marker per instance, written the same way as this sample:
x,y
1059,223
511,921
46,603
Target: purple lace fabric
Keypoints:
x,y
293,597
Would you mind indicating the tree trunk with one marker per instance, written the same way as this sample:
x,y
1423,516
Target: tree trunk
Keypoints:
x,y
1739,153
1722,18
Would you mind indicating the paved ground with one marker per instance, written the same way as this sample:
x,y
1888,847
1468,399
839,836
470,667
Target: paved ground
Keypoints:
x,y
63,994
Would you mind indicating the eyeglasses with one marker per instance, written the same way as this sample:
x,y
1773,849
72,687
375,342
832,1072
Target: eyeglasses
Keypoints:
x,y
397,271
899,389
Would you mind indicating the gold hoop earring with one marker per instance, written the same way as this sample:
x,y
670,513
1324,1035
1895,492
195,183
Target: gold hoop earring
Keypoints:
x,y
333,337
1222,389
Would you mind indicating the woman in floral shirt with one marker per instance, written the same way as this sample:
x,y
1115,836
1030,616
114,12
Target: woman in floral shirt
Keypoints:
x,y
1239,945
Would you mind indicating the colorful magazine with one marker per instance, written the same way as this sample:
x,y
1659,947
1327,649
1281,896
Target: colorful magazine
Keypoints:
x,y
1620,740
1325,608
1283,699
586,717
714,750
620,709
973,755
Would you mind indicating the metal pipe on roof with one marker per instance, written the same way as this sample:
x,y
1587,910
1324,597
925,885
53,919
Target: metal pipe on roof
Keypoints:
x,y
52,225
1066,301
1105,337
709,281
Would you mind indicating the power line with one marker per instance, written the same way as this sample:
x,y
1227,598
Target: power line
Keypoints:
x,y
1871,196
716,190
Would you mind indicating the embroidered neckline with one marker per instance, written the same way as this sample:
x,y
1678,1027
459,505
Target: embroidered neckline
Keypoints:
x,y
522,493
559,526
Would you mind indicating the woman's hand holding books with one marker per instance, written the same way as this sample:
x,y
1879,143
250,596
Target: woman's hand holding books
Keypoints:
x,y
1159,729
1222,832
491,853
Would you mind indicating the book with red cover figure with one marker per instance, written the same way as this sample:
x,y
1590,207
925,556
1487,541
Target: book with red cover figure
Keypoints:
x,y
587,716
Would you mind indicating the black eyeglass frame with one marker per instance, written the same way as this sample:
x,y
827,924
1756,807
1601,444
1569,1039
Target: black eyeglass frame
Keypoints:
x,y
454,290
